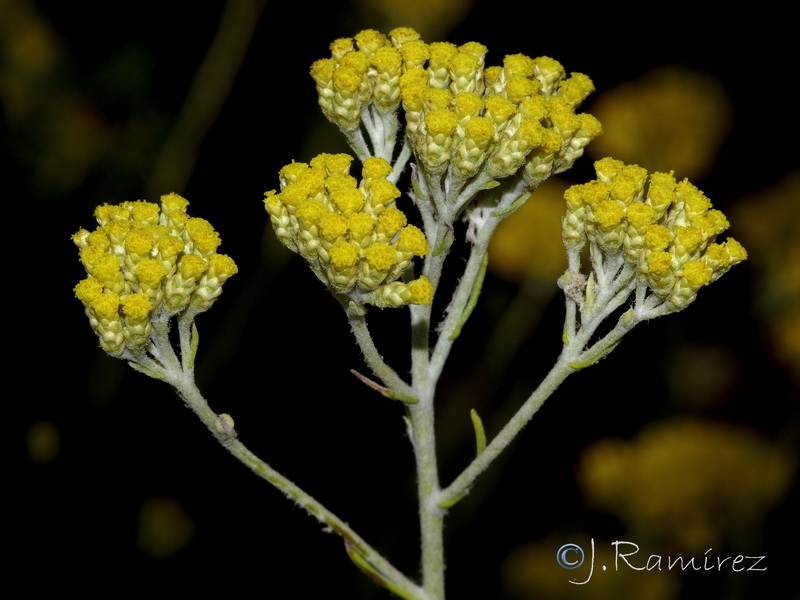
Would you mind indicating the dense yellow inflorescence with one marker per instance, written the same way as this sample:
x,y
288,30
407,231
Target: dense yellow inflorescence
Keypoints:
x,y
667,229
145,260
459,114
350,232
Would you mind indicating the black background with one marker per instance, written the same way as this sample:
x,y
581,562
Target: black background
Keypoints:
x,y
275,351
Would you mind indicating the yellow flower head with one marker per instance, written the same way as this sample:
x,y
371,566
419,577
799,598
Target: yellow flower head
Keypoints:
x,y
666,229
146,260
351,233
440,85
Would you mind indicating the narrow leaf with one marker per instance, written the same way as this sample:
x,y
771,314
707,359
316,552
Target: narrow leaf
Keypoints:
x,y
383,390
445,243
193,346
523,198
480,433
146,371
366,567
588,301
592,355
452,502
473,297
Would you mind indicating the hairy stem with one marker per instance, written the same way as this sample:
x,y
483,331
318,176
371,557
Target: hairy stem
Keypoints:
x,y
387,375
166,366
221,427
615,289
560,371
423,436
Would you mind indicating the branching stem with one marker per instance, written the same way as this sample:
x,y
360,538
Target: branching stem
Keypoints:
x,y
165,365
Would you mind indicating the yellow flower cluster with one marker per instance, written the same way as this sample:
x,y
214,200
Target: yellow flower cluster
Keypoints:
x,y
692,482
146,261
666,229
459,114
351,233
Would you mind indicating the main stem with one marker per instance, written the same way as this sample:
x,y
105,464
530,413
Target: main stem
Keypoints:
x,y
431,516
426,370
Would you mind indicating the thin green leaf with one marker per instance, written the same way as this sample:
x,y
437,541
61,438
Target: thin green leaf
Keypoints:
x,y
480,433
366,567
452,502
383,390
195,340
473,297
445,243
523,198
588,300
592,355
146,371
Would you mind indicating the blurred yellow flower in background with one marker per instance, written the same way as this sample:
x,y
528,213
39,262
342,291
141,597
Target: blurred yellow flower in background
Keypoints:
x,y
687,484
164,527
431,18
769,223
527,245
31,52
61,132
44,442
671,119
